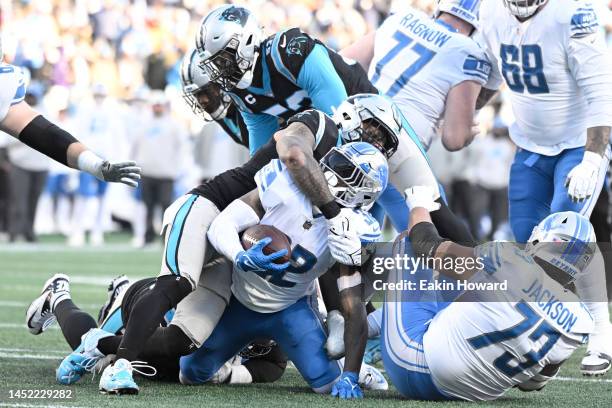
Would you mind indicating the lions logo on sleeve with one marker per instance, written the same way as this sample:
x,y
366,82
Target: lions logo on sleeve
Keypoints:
x,y
12,88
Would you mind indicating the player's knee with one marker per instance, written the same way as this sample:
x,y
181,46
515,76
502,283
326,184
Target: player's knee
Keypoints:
x,y
194,374
172,288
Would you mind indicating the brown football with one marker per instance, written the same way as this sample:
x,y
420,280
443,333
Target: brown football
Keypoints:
x,y
279,240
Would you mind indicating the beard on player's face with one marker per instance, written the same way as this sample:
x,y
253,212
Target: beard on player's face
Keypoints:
x,y
374,133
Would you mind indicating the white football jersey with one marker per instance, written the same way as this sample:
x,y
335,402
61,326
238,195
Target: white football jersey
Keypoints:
x,y
417,60
288,209
12,88
557,68
496,345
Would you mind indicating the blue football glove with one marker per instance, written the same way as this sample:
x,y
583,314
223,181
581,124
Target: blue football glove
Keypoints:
x,y
347,387
254,260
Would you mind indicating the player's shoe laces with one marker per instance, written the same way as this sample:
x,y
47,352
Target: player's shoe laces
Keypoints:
x,y
83,359
39,315
115,287
595,363
372,379
118,378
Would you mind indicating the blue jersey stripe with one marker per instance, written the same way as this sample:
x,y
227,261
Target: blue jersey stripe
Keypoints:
x,y
174,239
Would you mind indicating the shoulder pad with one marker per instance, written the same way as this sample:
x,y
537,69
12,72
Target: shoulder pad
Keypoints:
x,y
289,50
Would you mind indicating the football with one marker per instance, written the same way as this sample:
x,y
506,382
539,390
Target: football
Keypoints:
x,y
279,240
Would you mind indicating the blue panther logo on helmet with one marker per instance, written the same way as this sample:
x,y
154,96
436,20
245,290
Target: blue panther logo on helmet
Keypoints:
x,y
236,14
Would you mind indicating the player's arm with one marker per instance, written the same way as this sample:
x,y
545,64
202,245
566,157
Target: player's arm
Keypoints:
x,y
484,96
224,231
319,79
361,50
590,63
261,127
458,130
424,237
353,310
32,129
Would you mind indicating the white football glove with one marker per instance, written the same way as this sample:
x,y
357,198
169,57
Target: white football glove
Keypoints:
x,y
343,238
422,196
581,181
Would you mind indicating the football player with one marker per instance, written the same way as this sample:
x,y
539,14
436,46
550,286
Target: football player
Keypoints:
x,y
188,261
262,361
271,79
19,120
208,101
517,337
555,62
430,67
275,303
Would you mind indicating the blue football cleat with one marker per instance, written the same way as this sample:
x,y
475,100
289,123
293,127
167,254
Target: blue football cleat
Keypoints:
x,y
118,379
83,359
373,351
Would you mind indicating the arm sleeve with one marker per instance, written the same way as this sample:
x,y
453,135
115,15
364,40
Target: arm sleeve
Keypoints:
x,y
590,63
12,88
223,231
261,127
319,78
473,65
495,79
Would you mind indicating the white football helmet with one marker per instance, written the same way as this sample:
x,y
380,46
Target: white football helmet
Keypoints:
x,y
565,240
356,173
523,8
204,97
371,118
466,10
229,42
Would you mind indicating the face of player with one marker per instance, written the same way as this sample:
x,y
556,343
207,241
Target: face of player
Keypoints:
x,y
209,97
158,109
376,135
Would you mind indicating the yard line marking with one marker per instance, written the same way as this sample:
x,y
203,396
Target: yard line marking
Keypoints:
x,y
21,326
17,304
587,380
29,356
12,350
118,247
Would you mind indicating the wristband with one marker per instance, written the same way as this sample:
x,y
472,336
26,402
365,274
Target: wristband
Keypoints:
x,y
330,210
89,162
425,239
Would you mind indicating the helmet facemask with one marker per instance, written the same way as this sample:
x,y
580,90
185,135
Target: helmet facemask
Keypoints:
x,y
228,68
351,186
523,8
208,101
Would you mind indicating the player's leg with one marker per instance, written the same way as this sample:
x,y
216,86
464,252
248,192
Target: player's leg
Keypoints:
x,y
300,333
185,222
530,191
406,315
237,328
591,286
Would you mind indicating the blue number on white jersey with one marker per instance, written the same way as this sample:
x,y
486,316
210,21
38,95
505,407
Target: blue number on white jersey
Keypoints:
x,y
403,41
302,260
532,357
523,67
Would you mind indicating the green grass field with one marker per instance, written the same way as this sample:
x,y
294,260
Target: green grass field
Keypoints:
x,y
29,362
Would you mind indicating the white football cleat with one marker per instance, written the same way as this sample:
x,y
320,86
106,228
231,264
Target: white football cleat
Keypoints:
x,y
370,378
598,358
335,339
115,287
39,315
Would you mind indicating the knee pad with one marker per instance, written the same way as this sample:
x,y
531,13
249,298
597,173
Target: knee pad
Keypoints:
x,y
173,288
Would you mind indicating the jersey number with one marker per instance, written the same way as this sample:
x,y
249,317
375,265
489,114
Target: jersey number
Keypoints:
x,y
403,41
524,68
531,318
302,260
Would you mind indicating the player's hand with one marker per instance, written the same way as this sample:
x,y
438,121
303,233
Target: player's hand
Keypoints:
x,y
347,387
581,181
124,172
343,239
422,196
254,259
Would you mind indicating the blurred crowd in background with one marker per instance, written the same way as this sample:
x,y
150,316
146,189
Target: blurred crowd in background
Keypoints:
x,y
108,71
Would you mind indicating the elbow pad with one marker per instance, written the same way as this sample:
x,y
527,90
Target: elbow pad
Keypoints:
x,y
47,138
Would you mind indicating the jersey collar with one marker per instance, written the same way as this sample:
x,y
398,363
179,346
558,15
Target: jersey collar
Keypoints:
x,y
446,25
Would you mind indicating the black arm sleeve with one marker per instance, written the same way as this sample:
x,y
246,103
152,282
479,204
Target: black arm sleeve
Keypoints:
x,y
47,138
425,239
